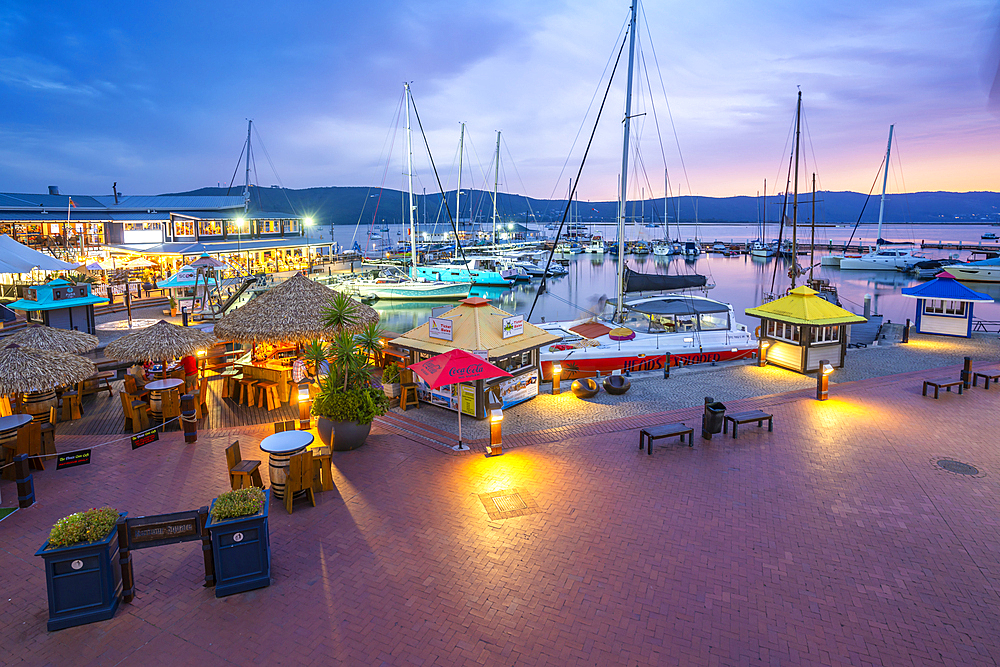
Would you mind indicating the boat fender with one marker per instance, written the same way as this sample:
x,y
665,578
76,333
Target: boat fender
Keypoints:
x,y
756,332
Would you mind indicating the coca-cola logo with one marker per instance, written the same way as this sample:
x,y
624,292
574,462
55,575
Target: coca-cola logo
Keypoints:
x,y
468,370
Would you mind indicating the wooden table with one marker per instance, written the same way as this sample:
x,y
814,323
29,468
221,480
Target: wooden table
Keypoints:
x,y
281,447
156,389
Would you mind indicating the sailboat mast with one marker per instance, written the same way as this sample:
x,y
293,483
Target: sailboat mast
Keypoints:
x,y
812,245
795,196
409,178
246,183
885,181
458,190
496,181
623,194
666,192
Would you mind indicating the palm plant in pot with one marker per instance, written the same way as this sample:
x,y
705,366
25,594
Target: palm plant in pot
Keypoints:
x,y
348,399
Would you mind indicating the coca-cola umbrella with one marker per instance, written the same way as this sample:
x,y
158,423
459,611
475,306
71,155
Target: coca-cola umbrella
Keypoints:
x,y
452,367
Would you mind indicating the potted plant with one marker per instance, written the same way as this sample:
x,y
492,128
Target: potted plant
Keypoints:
x,y
82,573
390,380
348,398
173,307
241,545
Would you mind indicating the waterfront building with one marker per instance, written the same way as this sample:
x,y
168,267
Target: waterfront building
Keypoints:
x,y
944,306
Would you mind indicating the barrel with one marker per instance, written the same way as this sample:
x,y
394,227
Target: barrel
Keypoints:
x,y
278,472
37,404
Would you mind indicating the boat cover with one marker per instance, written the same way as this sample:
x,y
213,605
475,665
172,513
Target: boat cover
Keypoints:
x,y
678,306
654,282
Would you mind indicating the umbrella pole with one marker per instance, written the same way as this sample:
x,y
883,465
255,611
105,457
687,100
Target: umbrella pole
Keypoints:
x,y
460,447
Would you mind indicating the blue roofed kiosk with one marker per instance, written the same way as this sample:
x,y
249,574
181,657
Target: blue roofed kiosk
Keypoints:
x,y
944,306
60,304
802,328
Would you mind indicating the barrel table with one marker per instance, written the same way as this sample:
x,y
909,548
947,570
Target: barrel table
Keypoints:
x,y
281,447
38,403
155,396
8,439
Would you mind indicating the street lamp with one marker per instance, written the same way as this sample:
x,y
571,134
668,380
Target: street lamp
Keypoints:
x,y
239,232
823,380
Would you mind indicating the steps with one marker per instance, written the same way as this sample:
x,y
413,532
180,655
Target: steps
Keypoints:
x,y
119,307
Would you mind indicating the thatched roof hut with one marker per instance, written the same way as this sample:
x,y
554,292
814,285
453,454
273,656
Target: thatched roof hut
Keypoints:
x,y
161,341
56,340
24,370
289,312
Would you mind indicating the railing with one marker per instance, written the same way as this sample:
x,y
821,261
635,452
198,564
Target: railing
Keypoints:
x,y
984,325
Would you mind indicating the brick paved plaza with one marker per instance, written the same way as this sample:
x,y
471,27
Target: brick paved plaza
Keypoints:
x,y
834,540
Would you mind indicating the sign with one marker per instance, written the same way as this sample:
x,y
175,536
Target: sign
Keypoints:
x,y
438,311
440,328
73,459
519,388
513,326
468,400
160,529
144,438
482,354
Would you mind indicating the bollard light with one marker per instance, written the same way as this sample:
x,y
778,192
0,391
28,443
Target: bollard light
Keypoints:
x,y
556,379
496,433
304,419
762,355
823,380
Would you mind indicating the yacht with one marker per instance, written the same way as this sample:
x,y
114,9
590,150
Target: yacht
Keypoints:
x,y
761,249
391,284
595,246
982,271
691,249
662,249
882,259
989,236
569,248
474,270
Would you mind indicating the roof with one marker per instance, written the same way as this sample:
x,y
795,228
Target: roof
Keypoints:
x,y
591,329
803,306
476,325
945,287
46,300
16,206
234,245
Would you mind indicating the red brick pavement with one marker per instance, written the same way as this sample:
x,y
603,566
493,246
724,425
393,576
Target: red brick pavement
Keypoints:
x,y
833,540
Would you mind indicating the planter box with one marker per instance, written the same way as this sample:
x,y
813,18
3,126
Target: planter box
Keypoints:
x,y
391,390
242,551
84,582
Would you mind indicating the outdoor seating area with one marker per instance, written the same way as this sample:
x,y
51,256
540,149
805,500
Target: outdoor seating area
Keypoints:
x,y
748,417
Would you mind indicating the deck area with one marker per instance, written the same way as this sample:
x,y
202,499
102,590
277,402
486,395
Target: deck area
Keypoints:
x,y
103,413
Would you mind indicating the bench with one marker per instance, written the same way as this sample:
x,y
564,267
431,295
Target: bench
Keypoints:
x,y
987,378
651,433
748,417
942,384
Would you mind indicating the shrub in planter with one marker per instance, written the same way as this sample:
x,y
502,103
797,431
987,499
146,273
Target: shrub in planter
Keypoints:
x,y
82,574
241,545
390,380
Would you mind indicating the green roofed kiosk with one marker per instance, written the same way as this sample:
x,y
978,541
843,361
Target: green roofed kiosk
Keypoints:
x,y
60,304
798,330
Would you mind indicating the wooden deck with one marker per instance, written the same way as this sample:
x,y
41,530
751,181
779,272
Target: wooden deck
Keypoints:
x,y
103,413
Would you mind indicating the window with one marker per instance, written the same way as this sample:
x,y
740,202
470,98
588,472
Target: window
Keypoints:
x,y
944,307
142,226
183,227
714,321
268,226
783,331
830,334
210,228
292,226
516,362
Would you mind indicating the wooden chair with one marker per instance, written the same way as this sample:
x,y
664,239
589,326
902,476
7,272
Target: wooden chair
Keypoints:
x,y
242,474
7,411
49,433
177,374
203,395
322,468
96,383
29,441
300,478
284,426
136,412
171,405
132,387
407,389
71,405
267,394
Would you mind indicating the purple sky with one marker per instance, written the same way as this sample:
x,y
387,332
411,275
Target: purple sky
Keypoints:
x,y
155,95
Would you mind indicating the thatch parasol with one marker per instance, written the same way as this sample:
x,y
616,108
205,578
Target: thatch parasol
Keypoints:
x,y
139,263
56,340
291,312
24,370
161,341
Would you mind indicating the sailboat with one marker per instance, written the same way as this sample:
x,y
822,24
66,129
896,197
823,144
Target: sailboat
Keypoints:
x,y
646,333
759,248
882,259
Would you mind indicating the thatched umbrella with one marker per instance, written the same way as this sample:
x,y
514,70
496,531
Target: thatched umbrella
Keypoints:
x,y
291,312
159,342
56,340
24,370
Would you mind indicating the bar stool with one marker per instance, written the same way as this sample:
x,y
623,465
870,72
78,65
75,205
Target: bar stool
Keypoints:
x,y
245,391
229,381
407,390
268,393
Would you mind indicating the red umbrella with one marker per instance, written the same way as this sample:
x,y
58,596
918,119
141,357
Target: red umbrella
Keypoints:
x,y
453,367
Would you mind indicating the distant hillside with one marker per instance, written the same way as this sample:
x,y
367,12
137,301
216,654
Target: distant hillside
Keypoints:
x,y
348,205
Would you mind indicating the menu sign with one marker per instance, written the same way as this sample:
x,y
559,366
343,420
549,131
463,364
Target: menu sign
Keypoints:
x,y
73,459
144,438
440,328
513,326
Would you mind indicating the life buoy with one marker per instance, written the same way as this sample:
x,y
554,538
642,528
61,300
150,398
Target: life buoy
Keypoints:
x,y
756,332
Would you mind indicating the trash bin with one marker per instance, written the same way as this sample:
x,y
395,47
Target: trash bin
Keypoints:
x,y
713,418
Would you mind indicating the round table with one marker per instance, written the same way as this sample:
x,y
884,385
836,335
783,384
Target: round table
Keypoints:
x,y
8,433
281,447
155,396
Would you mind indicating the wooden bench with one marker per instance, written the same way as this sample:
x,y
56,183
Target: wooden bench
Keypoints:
x,y
942,384
987,378
651,433
748,417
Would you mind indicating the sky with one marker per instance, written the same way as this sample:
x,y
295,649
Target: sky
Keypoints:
x,y
156,96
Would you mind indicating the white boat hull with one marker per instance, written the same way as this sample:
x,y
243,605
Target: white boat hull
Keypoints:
x,y
417,291
979,274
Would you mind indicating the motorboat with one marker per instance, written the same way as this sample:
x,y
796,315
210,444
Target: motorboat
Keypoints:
x,y
690,329
595,246
662,249
761,249
691,249
391,284
989,236
719,246
505,264
569,248
981,271
882,259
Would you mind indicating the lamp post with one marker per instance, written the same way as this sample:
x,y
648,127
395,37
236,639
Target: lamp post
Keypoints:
x,y
307,222
556,380
762,353
239,237
496,433
823,380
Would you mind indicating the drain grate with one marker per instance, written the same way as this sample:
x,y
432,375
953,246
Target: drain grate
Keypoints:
x,y
508,503
957,467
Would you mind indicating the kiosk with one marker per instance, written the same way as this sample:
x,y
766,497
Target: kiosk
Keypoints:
x,y
944,306
60,304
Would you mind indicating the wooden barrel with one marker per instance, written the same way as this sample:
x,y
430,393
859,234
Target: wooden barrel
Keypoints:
x,y
37,404
278,472
156,405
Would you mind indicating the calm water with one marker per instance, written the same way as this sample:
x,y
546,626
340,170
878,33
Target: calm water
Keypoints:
x,y
740,280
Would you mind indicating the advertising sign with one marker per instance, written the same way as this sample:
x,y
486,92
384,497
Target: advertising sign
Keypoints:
x,y
513,326
468,399
440,328
72,459
144,438
519,388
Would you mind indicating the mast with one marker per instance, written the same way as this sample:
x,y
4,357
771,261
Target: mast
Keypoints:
x,y
885,181
763,226
458,190
812,241
795,196
623,193
666,219
409,178
496,181
246,183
